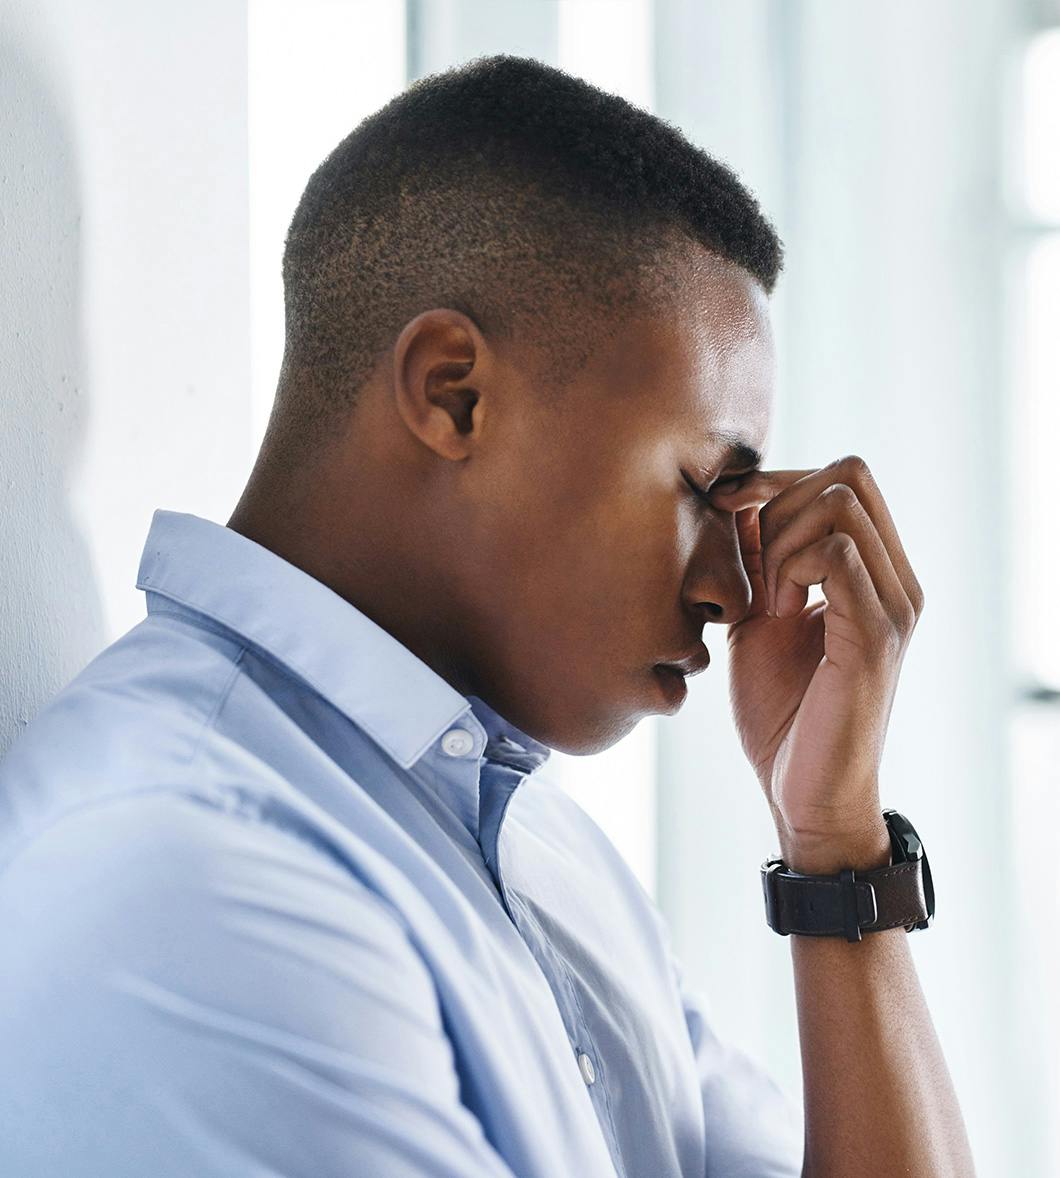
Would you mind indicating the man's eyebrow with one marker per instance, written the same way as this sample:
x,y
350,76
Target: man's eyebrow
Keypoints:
x,y
740,452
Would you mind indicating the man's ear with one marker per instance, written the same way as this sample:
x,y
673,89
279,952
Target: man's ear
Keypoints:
x,y
439,362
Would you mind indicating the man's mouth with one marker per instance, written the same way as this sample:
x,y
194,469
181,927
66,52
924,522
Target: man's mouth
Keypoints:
x,y
689,664
671,683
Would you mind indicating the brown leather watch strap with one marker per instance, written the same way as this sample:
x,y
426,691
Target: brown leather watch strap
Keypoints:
x,y
850,903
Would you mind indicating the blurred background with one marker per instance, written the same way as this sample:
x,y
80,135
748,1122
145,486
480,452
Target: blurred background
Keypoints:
x,y
909,154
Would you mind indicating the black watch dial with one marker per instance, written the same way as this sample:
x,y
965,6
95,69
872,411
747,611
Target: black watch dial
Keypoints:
x,y
907,848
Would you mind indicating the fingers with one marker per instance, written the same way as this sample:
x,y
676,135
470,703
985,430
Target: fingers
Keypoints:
x,y
751,555
757,486
858,626
784,492
837,509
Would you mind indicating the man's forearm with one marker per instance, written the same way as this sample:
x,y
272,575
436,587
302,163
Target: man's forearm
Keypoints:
x,y
877,1093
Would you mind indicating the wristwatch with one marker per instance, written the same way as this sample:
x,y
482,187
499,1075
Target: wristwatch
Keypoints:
x,y
850,903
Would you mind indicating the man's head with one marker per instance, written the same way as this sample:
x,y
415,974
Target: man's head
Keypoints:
x,y
521,314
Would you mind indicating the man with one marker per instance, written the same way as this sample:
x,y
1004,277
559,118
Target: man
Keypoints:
x,y
285,888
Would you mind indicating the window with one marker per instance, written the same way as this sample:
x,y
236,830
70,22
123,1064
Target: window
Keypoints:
x,y
1033,230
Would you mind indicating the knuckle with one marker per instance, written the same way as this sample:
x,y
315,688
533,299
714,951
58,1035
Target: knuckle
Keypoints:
x,y
844,492
855,464
855,470
916,597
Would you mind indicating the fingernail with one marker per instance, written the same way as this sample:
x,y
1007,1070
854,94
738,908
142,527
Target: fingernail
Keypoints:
x,y
726,487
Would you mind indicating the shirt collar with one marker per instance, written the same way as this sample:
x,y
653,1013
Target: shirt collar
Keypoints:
x,y
393,695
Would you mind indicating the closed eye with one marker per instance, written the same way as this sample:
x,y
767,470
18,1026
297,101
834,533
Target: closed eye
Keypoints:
x,y
704,495
700,494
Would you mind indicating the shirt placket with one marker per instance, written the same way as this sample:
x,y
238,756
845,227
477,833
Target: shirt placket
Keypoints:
x,y
503,768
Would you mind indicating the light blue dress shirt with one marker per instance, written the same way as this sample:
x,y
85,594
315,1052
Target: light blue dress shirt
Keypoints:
x,y
277,900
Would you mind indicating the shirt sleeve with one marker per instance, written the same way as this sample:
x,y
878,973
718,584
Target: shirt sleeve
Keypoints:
x,y
754,1129
187,991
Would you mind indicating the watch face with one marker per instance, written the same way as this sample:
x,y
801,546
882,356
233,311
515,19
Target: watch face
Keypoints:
x,y
904,839
908,848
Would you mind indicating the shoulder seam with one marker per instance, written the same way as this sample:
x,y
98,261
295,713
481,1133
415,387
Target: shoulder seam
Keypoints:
x,y
219,703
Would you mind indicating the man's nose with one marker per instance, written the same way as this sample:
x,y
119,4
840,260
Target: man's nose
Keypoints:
x,y
722,586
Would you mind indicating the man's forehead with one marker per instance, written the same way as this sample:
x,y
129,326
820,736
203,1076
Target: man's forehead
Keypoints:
x,y
724,342
729,411
731,391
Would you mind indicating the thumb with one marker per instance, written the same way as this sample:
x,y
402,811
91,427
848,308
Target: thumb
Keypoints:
x,y
751,553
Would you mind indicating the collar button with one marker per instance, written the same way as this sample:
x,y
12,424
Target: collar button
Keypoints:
x,y
457,742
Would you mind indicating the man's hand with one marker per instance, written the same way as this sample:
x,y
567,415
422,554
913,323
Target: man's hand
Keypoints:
x,y
812,691
812,687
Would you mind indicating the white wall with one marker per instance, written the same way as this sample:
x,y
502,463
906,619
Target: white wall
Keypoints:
x,y
124,363
316,69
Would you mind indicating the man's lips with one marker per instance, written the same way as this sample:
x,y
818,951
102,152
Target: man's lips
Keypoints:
x,y
672,683
691,663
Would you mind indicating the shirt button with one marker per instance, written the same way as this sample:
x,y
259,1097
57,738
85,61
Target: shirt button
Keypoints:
x,y
458,742
586,1065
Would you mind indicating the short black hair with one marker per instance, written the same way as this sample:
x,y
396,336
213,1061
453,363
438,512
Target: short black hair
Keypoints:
x,y
537,204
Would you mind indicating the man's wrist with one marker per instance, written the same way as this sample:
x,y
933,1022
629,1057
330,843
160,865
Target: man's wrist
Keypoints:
x,y
826,854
